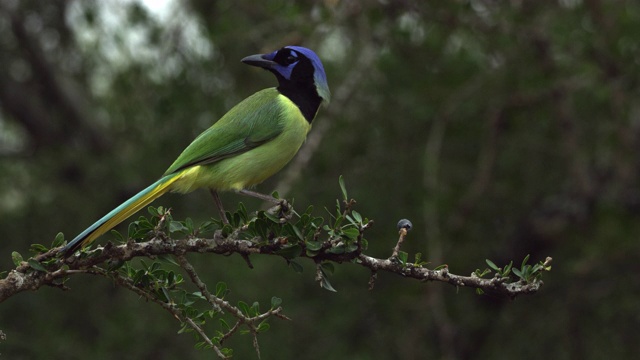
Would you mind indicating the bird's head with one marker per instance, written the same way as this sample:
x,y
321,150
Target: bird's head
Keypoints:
x,y
297,68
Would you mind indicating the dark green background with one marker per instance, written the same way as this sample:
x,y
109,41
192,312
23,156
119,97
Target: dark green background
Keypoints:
x,y
500,129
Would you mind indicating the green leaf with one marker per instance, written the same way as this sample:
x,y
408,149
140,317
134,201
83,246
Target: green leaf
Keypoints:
x,y
119,237
166,294
343,188
272,217
224,325
351,233
131,230
328,267
517,272
336,249
275,302
58,240
356,216
168,259
524,262
264,326
244,308
403,256
255,309
325,284
309,210
313,245
297,232
188,222
154,211
206,227
176,226
17,258
38,248
481,273
492,265
507,269
34,264
221,289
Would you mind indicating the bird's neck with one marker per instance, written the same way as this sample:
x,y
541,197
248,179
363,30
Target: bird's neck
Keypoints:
x,y
304,96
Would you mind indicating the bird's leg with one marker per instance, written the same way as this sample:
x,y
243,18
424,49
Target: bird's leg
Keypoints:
x,y
284,205
260,196
218,202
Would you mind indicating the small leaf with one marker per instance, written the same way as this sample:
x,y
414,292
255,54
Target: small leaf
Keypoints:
x,y
264,326
507,269
403,256
166,294
517,272
38,248
206,227
132,229
58,240
17,258
167,259
313,245
154,211
35,264
298,232
327,267
244,307
343,188
492,265
221,289
176,226
325,284
188,222
275,302
116,234
272,217
351,233
255,309
224,325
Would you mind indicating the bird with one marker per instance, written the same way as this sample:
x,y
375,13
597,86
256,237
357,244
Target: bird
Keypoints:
x,y
251,142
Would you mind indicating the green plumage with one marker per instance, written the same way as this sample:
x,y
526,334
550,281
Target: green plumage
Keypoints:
x,y
251,142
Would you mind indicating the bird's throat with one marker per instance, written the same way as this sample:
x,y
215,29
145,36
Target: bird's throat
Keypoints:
x,y
305,97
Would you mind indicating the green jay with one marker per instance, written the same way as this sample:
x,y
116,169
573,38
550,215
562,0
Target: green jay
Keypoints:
x,y
251,142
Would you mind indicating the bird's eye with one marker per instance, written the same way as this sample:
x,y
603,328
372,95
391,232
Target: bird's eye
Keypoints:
x,y
291,59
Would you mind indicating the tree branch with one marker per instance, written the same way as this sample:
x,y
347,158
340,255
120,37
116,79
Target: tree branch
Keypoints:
x,y
26,276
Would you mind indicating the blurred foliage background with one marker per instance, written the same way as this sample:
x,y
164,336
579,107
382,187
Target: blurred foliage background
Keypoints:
x,y
500,129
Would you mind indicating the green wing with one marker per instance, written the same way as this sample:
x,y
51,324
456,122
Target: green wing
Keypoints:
x,y
251,123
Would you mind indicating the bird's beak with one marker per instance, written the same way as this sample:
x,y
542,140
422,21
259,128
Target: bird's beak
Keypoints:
x,y
259,61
